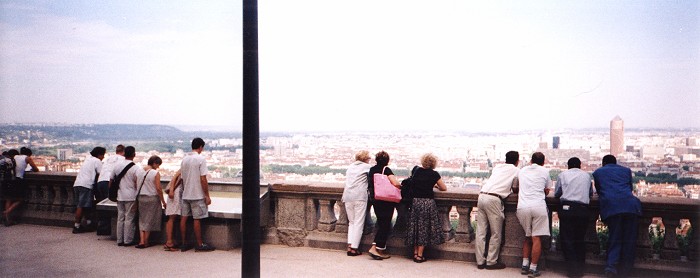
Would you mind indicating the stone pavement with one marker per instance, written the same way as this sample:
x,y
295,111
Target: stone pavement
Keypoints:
x,y
45,251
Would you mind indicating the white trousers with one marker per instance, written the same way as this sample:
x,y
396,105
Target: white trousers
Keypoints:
x,y
356,211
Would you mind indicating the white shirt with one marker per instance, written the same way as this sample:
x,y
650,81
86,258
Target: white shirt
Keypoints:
x,y
533,179
108,165
148,187
501,180
356,182
127,186
20,165
193,167
86,175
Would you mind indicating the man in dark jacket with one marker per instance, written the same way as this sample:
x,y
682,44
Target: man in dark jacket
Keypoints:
x,y
619,210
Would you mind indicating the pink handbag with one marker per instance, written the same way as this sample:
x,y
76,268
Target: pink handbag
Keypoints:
x,y
384,190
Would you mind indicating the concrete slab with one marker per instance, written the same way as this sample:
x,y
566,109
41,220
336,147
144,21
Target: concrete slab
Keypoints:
x,y
43,251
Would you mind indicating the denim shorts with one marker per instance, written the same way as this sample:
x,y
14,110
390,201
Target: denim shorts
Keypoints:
x,y
83,197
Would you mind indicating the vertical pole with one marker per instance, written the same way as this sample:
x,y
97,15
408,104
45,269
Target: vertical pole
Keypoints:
x,y
250,261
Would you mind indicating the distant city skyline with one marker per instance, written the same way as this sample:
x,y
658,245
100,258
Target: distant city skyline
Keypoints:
x,y
341,66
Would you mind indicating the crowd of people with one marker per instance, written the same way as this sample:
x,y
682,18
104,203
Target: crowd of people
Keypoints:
x,y
619,209
140,193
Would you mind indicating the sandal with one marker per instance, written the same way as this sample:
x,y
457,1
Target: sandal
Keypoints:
x,y
170,248
141,246
419,259
354,252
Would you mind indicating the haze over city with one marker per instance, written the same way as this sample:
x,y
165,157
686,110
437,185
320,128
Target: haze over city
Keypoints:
x,y
354,66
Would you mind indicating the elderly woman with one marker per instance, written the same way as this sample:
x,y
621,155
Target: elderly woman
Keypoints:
x,y
383,209
424,227
355,199
151,201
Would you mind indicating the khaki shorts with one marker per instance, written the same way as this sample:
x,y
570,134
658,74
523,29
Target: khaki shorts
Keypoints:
x,y
196,208
534,220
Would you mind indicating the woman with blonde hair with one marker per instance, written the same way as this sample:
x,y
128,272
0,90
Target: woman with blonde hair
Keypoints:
x,y
424,226
150,201
355,199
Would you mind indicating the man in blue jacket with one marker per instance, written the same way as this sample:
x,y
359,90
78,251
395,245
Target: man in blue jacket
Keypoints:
x,y
619,210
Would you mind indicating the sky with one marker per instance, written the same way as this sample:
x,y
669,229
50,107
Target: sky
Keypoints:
x,y
481,66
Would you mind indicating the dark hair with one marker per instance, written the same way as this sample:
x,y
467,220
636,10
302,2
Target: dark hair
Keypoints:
x,y
155,160
609,159
12,152
574,162
512,157
4,153
25,151
129,152
538,158
97,151
120,148
197,143
382,158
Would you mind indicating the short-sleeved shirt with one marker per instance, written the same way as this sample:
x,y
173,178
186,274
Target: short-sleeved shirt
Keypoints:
x,y
423,181
108,165
574,185
532,180
20,165
127,185
501,180
376,169
193,167
88,171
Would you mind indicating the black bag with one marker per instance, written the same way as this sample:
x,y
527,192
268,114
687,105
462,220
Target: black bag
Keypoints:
x,y
114,187
407,188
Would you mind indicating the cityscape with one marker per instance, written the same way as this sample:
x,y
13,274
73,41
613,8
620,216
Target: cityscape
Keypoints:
x,y
666,163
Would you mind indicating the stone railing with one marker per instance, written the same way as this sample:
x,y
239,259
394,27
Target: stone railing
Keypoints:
x,y
313,215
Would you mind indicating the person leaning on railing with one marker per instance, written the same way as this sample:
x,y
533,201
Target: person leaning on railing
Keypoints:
x,y
424,225
355,198
383,209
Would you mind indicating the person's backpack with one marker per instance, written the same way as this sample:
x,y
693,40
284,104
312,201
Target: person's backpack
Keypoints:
x,y
114,187
407,188
6,170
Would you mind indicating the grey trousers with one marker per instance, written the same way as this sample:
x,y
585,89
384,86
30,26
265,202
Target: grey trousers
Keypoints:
x,y
126,226
489,217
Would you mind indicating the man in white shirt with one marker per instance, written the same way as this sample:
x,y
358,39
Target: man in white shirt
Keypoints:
x,y
126,197
534,183
83,186
195,195
104,222
490,214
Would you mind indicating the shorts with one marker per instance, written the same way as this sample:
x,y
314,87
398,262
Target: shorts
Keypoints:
x,y
196,208
534,221
83,197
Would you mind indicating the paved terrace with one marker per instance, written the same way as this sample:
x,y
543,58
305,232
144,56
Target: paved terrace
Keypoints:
x,y
47,251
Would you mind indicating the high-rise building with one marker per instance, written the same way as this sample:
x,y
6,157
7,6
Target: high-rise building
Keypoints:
x,y
555,142
64,154
617,136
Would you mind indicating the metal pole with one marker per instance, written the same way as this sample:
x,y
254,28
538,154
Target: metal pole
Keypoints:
x,y
250,260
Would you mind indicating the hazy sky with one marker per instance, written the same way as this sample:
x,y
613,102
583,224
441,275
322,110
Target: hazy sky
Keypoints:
x,y
355,65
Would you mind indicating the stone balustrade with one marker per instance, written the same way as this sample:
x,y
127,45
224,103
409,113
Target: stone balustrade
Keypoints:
x,y
306,214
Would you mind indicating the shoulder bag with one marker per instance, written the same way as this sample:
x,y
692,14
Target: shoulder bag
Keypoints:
x,y
384,190
407,188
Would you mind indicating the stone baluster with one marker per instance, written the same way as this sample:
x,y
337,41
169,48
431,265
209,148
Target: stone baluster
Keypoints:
x,y
465,231
55,197
342,225
312,214
67,195
444,214
327,219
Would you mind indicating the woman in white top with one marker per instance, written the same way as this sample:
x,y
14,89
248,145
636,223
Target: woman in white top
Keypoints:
x,y
355,198
18,192
150,201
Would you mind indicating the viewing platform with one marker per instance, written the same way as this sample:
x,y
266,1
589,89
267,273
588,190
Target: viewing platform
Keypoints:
x,y
304,215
